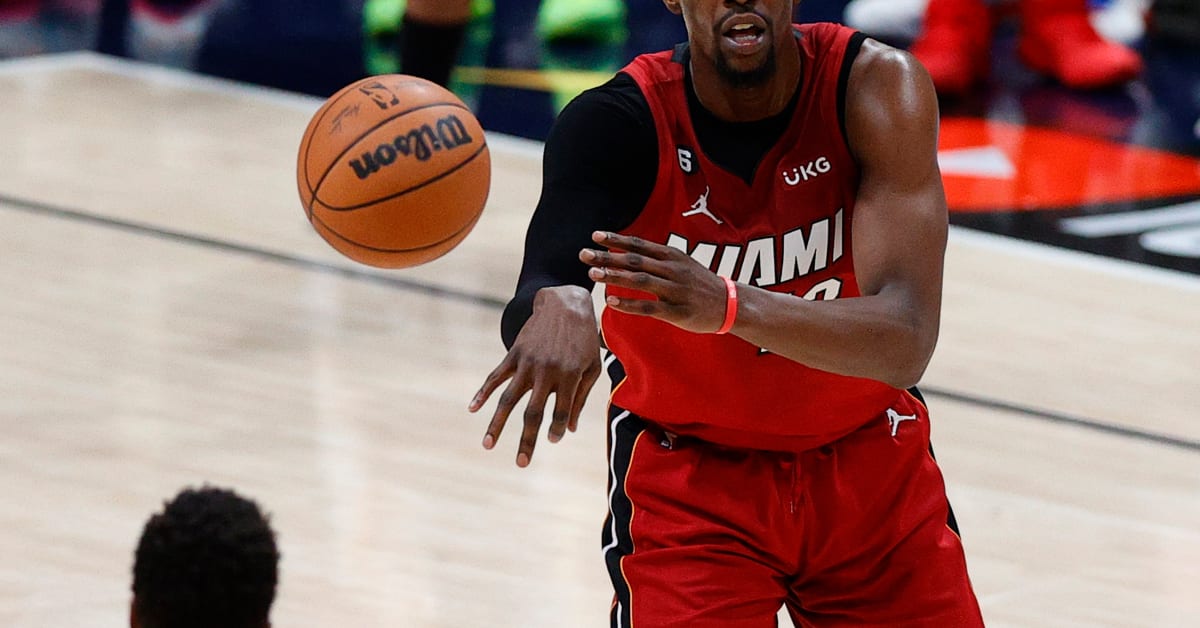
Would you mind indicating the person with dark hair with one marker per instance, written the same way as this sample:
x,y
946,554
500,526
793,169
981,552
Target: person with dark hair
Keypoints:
x,y
208,560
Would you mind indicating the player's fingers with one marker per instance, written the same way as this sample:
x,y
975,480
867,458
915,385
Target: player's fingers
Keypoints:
x,y
535,409
564,396
632,244
502,372
508,400
625,261
581,395
641,307
631,279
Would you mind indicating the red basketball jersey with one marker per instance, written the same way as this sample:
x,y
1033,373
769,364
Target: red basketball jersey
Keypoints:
x,y
788,232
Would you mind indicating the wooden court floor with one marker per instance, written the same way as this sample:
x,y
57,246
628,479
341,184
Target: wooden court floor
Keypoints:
x,y
170,319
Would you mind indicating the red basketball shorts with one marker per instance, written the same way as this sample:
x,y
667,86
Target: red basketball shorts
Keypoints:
x,y
856,533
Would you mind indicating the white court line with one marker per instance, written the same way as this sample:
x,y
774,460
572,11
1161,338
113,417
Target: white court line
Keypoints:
x,y
1124,223
532,149
1078,259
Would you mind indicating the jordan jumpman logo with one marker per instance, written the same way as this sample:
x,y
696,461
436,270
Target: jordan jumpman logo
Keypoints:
x,y
701,207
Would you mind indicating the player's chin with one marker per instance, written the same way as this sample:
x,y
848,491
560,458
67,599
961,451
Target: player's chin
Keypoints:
x,y
746,71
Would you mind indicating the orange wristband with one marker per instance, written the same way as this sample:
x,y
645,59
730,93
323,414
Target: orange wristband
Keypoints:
x,y
730,306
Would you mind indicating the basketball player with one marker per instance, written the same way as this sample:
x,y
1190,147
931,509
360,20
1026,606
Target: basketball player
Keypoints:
x,y
764,208
208,560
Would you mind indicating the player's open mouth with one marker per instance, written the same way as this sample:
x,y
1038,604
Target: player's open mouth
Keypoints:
x,y
744,32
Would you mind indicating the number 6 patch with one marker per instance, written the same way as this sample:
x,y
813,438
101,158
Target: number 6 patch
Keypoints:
x,y
687,159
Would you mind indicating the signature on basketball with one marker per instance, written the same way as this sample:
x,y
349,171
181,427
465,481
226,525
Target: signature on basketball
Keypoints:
x,y
380,94
347,112
421,142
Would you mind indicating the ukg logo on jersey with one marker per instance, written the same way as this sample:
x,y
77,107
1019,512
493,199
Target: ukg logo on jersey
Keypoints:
x,y
811,170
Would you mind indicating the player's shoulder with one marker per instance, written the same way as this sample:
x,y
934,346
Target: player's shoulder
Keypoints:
x,y
880,67
890,99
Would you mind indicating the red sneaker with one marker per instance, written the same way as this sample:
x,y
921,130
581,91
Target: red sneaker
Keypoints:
x,y
1058,40
954,44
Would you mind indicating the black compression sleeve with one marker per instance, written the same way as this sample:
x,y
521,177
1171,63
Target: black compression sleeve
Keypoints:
x,y
598,170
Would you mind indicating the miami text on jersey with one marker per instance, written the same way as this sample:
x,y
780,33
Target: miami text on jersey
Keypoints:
x,y
801,251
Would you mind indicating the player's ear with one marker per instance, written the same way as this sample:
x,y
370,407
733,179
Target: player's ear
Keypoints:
x,y
673,6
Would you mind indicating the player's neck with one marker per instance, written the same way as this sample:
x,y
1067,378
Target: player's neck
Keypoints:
x,y
746,103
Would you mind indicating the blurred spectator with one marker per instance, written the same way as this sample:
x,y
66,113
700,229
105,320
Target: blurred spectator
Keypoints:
x,y
313,46
1176,22
114,22
208,560
588,20
892,21
431,37
1173,69
168,32
425,35
20,30
900,20
1056,38
1120,20
32,27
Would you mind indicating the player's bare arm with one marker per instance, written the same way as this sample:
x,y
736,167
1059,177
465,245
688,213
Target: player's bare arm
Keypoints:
x,y
899,236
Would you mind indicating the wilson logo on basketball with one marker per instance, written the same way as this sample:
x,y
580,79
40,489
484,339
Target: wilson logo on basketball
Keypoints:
x,y
446,134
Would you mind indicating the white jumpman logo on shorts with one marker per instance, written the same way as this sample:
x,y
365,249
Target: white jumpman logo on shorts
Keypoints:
x,y
894,419
701,207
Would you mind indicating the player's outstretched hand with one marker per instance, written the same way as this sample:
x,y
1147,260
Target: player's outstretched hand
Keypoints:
x,y
687,294
557,352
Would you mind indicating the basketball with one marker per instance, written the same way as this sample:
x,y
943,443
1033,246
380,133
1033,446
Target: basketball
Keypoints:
x,y
393,171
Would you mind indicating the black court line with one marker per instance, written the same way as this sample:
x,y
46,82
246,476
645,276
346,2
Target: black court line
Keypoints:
x,y
410,285
1064,419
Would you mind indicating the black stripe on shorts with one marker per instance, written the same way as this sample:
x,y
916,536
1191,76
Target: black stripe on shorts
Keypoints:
x,y
624,429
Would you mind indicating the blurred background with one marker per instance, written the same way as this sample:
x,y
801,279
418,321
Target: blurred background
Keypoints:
x,y
170,316
1057,113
